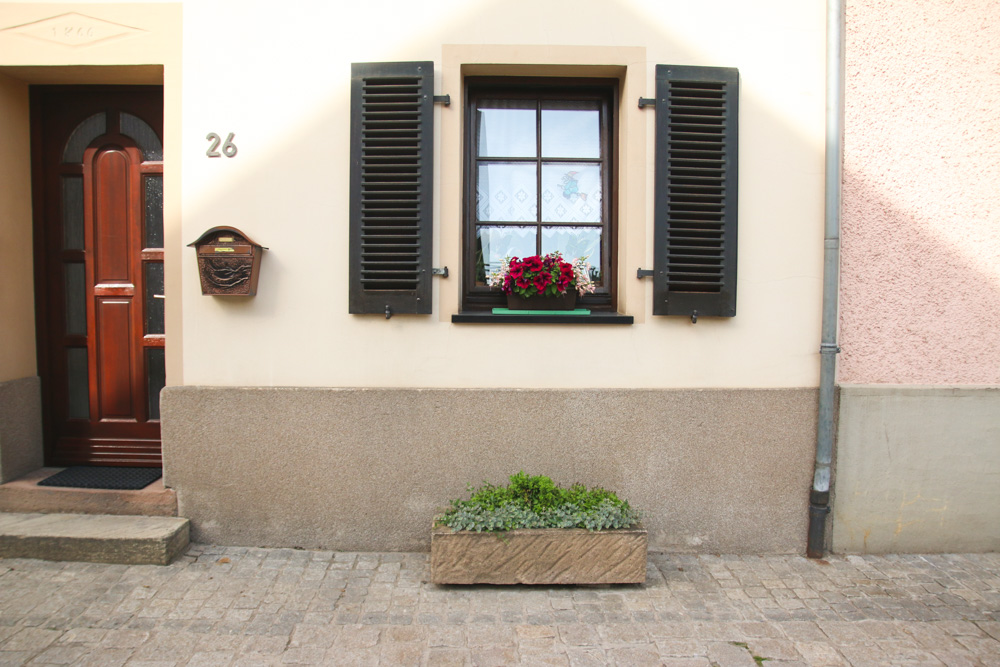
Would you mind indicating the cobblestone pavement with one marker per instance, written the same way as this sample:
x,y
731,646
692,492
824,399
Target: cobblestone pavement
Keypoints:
x,y
239,606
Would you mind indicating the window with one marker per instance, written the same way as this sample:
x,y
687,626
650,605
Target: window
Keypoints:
x,y
539,178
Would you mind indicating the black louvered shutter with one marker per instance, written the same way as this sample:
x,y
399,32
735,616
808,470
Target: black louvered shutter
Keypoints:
x,y
392,153
697,118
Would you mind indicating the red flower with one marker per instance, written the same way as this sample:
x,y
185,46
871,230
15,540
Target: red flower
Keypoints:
x,y
529,276
533,263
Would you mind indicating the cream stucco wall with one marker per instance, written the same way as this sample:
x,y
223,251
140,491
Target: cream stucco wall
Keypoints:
x,y
17,296
921,227
282,88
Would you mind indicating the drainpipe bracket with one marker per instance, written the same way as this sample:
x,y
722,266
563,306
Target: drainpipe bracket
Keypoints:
x,y
820,499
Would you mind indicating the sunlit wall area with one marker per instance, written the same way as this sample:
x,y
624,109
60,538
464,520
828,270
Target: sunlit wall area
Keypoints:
x,y
283,90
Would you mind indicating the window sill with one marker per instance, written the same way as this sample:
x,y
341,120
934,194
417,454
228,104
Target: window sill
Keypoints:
x,y
486,317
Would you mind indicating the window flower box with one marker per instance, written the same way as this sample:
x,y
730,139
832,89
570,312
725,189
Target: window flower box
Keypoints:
x,y
565,301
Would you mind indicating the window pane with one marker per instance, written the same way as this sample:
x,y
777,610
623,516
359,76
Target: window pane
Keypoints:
x,y
575,242
571,192
76,299
495,243
506,192
84,133
76,376
156,377
152,188
572,130
72,212
507,128
154,306
144,136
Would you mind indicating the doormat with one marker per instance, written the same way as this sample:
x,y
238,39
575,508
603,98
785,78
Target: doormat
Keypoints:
x,y
104,477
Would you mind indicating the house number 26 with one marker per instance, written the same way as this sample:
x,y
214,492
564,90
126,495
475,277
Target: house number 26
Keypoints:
x,y
228,148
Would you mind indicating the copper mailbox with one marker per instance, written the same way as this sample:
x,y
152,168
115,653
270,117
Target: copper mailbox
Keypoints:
x,y
228,262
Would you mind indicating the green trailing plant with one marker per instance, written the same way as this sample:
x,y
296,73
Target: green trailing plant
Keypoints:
x,y
536,502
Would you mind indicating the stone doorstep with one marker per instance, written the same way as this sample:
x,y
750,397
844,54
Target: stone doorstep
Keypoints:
x,y
24,495
93,538
539,556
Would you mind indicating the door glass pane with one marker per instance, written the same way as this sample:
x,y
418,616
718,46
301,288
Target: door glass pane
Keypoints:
x,y
495,243
571,192
84,133
72,212
155,378
144,136
77,383
154,305
152,192
507,128
506,192
572,130
76,299
575,242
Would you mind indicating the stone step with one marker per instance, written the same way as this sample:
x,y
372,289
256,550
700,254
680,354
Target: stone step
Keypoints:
x,y
24,495
93,538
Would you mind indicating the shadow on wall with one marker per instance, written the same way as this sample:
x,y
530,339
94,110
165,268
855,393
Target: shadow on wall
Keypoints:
x,y
920,270
914,309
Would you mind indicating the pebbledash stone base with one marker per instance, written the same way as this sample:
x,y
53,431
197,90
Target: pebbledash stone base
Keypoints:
x,y
539,556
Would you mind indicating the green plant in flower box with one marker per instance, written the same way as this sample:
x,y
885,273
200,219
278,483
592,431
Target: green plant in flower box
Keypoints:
x,y
536,502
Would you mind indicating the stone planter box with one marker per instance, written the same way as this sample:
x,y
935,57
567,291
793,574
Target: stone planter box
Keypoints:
x,y
539,556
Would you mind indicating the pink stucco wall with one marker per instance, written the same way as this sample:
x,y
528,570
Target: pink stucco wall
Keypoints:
x,y
920,269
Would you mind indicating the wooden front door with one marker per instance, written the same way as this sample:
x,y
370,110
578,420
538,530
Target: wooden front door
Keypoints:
x,y
97,159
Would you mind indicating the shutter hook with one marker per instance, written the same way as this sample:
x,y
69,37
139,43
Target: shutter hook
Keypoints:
x,y
694,316
388,313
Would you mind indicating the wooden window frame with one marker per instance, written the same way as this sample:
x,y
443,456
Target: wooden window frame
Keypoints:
x,y
606,92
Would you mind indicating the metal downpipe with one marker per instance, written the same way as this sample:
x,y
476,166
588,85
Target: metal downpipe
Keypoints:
x,y
819,495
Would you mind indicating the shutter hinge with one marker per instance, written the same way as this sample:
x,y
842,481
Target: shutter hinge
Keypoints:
x,y
443,272
647,102
644,273
443,99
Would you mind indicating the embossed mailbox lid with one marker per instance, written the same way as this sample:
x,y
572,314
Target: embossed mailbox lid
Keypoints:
x,y
228,262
